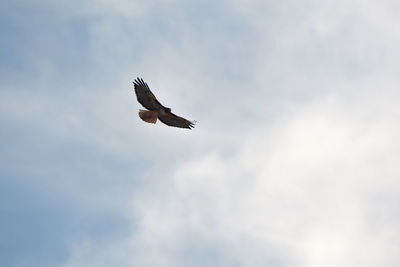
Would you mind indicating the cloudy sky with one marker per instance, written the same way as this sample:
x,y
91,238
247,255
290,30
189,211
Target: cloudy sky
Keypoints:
x,y
294,160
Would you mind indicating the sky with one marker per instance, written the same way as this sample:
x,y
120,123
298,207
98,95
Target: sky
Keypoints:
x,y
293,161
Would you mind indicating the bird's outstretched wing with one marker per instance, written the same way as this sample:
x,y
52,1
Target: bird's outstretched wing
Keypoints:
x,y
171,119
145,96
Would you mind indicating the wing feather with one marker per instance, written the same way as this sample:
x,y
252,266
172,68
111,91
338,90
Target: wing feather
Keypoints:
x,y
145,96
172,120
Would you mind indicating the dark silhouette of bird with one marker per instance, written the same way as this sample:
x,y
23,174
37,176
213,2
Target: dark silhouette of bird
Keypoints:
x,y
155,109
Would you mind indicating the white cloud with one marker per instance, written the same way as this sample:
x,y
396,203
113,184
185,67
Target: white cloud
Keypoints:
x,y
301,188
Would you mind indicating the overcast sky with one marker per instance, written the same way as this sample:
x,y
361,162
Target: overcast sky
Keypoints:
x,y
294,160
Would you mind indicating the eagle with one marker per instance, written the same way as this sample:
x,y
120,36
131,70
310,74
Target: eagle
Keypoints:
x,y
155,109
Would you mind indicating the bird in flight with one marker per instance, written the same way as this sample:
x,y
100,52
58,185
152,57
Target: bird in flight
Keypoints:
x,y
155,109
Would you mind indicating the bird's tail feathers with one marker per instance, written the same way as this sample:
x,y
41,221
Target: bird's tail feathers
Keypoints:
x,y
148,116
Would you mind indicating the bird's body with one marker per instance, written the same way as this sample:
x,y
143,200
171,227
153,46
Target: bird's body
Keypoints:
x,y
155,109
